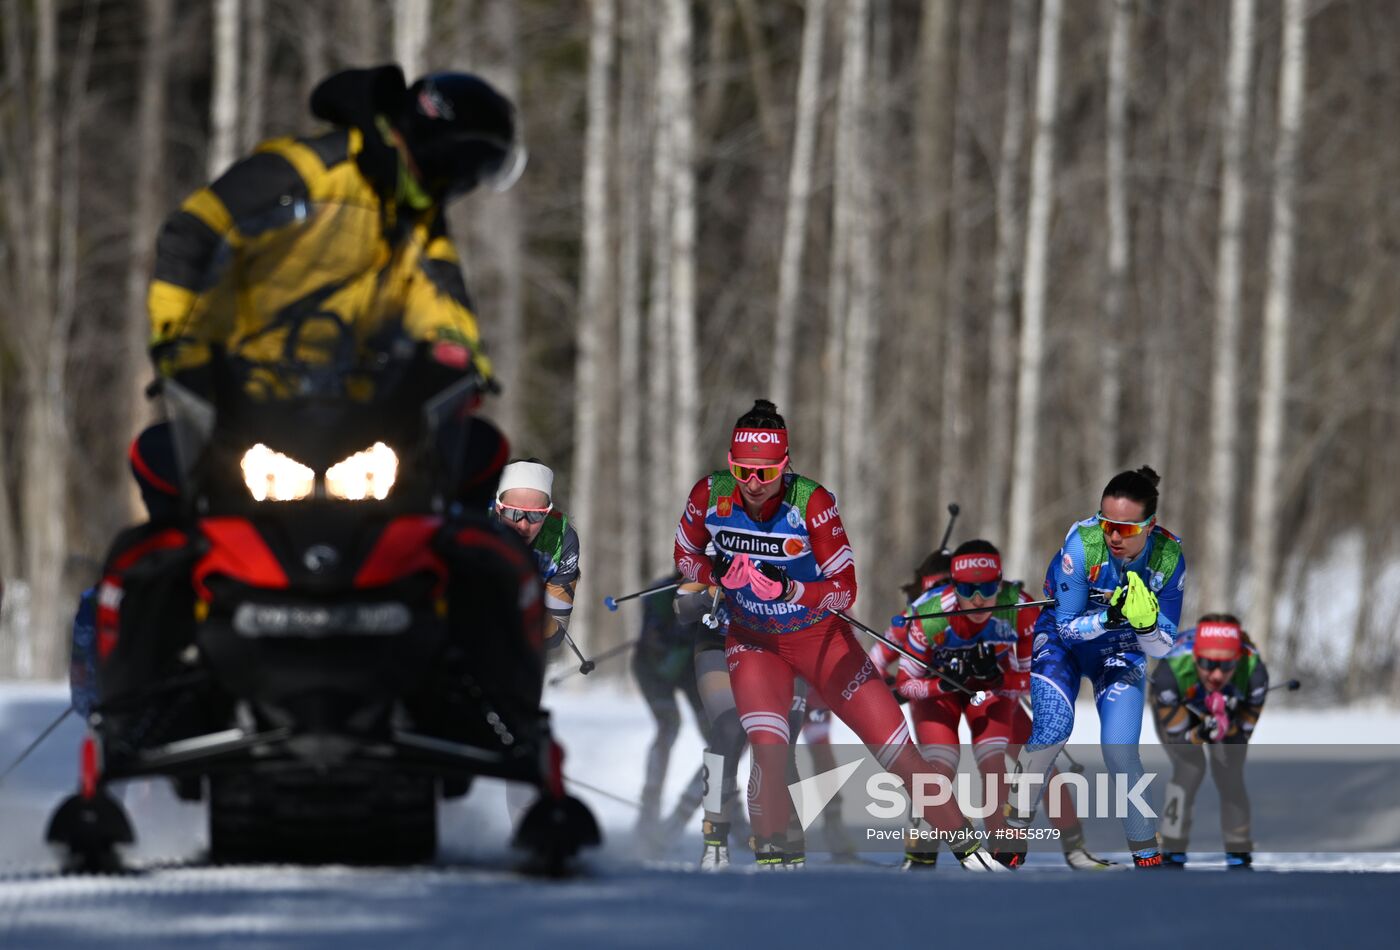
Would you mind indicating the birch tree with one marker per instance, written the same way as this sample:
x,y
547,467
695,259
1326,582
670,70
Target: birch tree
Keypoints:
x,y
799,191
1116,276
1000,385
954,423
661,395
411,18
1278,306
838,271
223,100
594,325
920,313
860,316
677,84
631,139
255,85
501,223
149,175
1026,458
1215,574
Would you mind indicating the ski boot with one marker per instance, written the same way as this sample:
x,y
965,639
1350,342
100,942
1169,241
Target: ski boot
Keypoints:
x,y
773,854
1239,860
1079,857
1011,860
975,859
715,838
1148,859
919,861
1175,860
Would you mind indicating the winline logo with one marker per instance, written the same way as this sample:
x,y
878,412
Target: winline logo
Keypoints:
x,y
1110,795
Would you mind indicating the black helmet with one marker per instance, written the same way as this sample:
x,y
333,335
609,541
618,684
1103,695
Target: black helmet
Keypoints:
x,y
461,133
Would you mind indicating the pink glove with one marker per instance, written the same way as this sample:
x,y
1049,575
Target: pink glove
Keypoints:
x,y
1215,705
738,574
764,587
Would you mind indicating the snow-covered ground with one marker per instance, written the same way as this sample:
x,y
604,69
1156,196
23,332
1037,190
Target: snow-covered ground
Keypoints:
x,y
475,899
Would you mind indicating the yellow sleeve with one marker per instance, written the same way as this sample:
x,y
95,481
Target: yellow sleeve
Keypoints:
x,y
437,306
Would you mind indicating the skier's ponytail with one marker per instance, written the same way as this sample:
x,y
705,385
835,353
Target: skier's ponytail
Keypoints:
x,y
1139,486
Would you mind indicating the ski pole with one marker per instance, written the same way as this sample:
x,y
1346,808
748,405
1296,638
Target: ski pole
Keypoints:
x,y
598,791
953,510
900,620
1074,766
585,665
978,697
35,744
612,602
711,619
605,655
1292,686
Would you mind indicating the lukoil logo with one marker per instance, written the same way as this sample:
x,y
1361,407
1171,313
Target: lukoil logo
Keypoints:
x,y
760,437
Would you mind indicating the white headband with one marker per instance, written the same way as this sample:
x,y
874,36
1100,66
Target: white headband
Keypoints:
x,y
526,475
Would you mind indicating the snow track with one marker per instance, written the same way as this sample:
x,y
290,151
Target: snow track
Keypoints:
x,y
475,899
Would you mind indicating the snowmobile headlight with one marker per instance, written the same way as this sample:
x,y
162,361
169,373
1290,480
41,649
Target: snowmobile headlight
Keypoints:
x,y
367,474
272,476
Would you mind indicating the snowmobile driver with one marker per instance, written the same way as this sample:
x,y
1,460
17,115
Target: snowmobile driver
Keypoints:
x,y
383,271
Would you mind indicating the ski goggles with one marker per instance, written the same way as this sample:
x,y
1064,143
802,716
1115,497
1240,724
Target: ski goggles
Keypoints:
x,y
969,589
1125,529
528,515
764,473
1225,665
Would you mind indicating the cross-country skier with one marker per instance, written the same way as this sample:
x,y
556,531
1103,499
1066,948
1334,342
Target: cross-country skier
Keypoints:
x,y
663,665
1119,579
1209,690
784,563
983,651
525,504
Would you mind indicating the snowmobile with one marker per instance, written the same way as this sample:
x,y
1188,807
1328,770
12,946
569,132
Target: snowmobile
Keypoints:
x,y
324,645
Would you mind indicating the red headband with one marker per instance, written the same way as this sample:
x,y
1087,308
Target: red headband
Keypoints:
x,y
770,445
1216,637
977,568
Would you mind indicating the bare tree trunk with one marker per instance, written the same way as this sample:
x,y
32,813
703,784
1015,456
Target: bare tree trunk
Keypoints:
x,y
595,325
798,198
411,35
1026,455
364,33
145,220
1278,306
501,218
716,80
45,435
1116,278
223,101
1005,270
631,138
661,397
861,315
838,302
677,69
954,423
255,85
1215,575
314,62
762,73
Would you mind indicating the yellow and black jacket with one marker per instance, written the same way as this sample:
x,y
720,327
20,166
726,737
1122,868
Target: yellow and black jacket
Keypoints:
x,y
294,255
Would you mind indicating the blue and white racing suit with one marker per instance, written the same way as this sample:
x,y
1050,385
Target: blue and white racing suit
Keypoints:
x,y
1073,640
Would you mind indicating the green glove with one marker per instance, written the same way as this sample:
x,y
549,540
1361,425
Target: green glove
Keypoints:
x,y
1139,605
